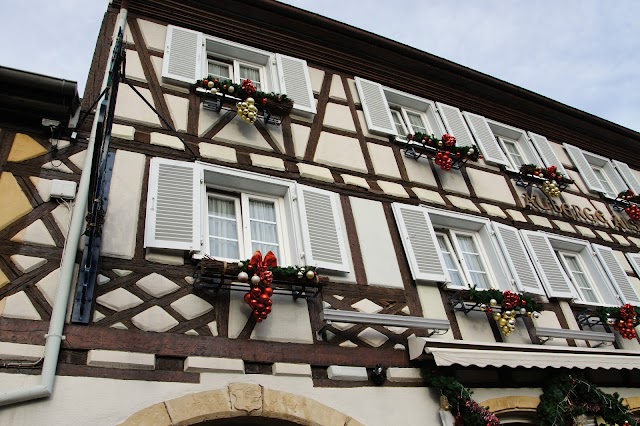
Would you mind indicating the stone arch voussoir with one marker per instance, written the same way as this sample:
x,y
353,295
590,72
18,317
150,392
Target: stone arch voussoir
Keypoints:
x,y
238,400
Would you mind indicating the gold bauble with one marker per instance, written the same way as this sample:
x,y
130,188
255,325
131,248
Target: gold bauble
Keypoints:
x,y
502,322
496,316
250,101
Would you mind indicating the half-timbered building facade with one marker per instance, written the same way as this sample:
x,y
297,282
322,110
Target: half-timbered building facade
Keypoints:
x,y
391,229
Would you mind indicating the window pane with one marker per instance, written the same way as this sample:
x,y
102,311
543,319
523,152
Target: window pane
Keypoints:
x,y
514,153
251,73
450,262
397,120
223,228
580,279
415,120
603,179
264,228
219,70
473,261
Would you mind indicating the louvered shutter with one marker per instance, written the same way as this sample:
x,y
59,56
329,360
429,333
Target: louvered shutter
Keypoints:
x,y
627,175
520,264
546,152
173,205
584,168
295,82
419,241
617,275
455,124
375,107
634,259
182,55
547,264
486,140
324,242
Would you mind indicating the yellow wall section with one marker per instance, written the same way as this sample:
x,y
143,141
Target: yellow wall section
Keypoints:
x,y
24,148
3,280
13,203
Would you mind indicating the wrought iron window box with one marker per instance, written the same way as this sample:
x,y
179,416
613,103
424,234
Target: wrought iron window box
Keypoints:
x,y
590,318
619,204
218,275
416,150
461,305
216,103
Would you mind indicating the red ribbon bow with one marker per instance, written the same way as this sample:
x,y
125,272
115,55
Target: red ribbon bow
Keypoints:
x,y
261,266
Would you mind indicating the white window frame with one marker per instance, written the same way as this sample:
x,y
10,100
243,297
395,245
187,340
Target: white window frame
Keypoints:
x,y
519,137
562,255
243,222
215,60
454,256
406,103
498,272
240,54
452,242
592,268
613,177
510,155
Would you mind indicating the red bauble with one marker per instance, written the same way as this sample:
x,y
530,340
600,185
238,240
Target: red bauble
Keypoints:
x,y
253,303
256,292
268,291
267,309
247,298
269,302
260,307
263,297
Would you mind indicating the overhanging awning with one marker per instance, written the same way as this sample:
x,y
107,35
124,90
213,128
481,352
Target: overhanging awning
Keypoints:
x,y
447,353
483,358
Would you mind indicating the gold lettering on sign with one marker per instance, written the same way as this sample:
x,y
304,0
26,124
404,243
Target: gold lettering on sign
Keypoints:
x,y
566,210
619,223
587,213
601,218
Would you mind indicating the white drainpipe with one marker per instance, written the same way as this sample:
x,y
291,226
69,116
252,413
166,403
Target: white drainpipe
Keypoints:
x,y
54,336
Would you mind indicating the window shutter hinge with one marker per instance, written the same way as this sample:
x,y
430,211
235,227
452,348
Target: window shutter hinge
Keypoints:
x,y
294,198
302,255
201,180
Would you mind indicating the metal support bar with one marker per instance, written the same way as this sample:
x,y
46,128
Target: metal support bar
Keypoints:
x,y
164,121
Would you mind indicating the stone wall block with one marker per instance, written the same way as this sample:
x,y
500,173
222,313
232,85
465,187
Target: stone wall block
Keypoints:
x,y
200,407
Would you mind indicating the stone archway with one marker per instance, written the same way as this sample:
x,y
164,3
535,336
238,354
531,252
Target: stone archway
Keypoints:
x,y
516,410
235,401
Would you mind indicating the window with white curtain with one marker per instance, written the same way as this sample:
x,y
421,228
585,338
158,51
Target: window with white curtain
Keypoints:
x,y
240,224
228,68
464,258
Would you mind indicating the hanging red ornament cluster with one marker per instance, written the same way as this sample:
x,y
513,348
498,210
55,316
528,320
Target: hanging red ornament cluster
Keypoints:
x,y
444,160
248,87
259,297
447,150
633,209
510,300
626,322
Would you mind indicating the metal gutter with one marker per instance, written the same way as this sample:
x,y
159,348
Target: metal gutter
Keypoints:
x,y
54,336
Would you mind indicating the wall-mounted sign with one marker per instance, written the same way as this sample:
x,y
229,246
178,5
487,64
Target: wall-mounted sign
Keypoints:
x,y
579,214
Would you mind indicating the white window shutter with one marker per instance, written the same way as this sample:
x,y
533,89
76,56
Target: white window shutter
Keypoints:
x,y
324,242
375,107
627,175
420,245
173,205
584,168
455,124
296,83
183,55
520,264
617,275
614,177
487,142
547,153
547,264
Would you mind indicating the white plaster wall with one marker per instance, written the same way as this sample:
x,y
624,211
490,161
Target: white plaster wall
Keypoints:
x,y
379,258
130,107
432,306
121,221
384,160
340,151
419,170
154,35
240,133
97,402
475,327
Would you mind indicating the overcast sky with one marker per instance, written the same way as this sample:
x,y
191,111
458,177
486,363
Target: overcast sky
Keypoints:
x,y
584,53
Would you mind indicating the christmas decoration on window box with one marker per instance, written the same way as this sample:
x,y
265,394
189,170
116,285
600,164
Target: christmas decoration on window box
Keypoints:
x,y
629,202
250,102
447,154
259,278
624,319
549,180
567,397
505,307
456,398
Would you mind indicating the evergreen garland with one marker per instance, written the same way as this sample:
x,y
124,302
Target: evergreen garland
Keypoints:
x,y
466,410
528,301
447,143
280,272
567,396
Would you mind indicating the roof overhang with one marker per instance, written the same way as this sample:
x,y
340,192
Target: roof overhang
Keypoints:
x,y
465,354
